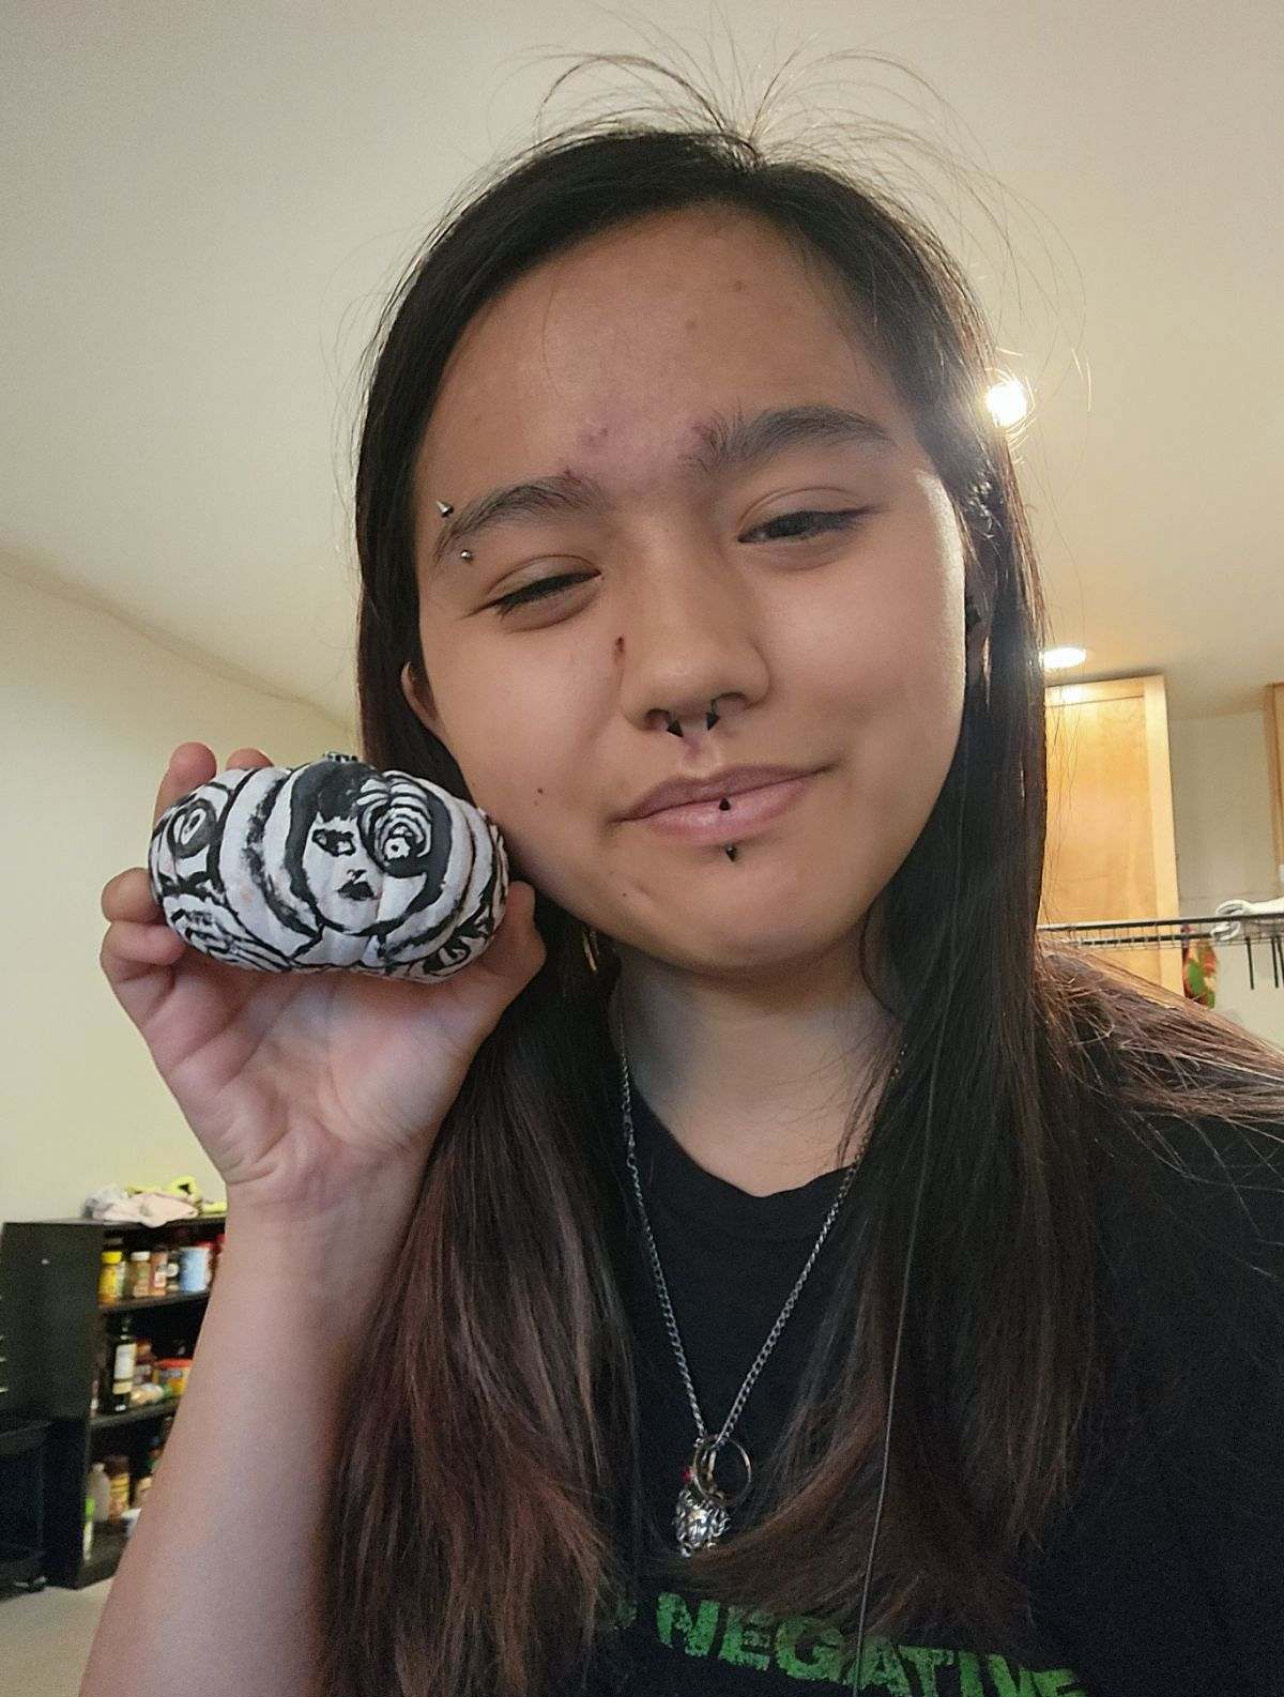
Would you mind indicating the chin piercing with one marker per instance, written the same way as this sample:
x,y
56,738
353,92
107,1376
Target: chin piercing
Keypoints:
x,y
731,851
444,507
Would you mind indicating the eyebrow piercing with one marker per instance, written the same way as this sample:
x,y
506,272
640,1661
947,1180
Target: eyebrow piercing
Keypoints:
x,y
444,507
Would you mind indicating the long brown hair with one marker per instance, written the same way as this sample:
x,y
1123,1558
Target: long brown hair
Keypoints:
x,y
492,1420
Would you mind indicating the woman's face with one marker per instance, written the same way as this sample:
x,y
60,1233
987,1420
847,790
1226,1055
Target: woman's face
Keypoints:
x,y
836,650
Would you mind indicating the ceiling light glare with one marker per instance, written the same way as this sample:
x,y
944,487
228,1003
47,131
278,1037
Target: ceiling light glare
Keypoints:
x,y
1058,659
1008,401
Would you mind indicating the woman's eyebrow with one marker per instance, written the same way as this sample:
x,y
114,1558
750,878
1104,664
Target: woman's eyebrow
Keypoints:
x,y
729,444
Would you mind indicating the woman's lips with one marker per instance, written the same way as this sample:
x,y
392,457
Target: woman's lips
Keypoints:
x,y
709,822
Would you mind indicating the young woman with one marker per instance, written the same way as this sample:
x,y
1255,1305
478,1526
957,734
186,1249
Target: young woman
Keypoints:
x,y
768,1262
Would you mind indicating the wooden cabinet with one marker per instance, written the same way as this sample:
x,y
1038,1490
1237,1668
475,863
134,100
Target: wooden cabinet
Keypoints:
x,y
1273,712
1111,852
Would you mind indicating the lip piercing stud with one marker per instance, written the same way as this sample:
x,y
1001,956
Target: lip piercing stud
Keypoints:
x,y
444,507
731,851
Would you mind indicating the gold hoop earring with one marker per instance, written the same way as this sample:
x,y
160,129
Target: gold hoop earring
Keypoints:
x,y
592,949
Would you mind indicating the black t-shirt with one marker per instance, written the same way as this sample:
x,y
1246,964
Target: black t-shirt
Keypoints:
x,y
1167,1573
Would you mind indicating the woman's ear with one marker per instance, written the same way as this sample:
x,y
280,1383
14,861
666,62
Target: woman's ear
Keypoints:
x,y
420,704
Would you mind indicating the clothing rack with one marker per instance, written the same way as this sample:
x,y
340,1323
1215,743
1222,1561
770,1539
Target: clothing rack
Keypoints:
x,y
1234,922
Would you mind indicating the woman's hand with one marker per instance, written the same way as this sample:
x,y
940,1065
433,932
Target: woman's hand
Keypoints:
x,y
301,1087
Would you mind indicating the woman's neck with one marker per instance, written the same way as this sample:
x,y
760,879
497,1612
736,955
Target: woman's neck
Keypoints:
x,y
757,1087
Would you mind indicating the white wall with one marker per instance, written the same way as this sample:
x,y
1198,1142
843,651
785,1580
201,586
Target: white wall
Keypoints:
x,y
1221,805
91,710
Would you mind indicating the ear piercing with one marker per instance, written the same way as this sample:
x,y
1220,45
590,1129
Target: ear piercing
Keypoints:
x,y
978,504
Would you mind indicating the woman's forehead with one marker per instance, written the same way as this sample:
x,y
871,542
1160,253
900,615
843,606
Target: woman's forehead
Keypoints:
x,y
611,337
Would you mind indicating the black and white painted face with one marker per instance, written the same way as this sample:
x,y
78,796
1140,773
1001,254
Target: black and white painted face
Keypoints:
x,y
340,872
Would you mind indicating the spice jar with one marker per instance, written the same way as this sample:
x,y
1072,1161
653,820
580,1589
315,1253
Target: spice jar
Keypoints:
x,y
144,1363
140,1273
111,1276
194,1268
117,1467
172,1373
160,1270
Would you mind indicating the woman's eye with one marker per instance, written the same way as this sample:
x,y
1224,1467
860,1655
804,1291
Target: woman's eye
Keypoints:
x,y
816,523
536,591
842,518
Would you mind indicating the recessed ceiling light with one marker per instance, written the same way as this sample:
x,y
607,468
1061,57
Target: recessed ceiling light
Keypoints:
x,y
1008,401
1058,659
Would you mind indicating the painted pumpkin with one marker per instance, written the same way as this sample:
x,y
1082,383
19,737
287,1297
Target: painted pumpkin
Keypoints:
x,y
332,864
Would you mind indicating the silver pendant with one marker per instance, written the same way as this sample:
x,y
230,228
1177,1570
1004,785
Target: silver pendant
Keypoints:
x,y
702,1514
699,1520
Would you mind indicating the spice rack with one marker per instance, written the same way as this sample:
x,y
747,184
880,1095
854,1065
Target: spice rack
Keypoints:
x,y
54,1326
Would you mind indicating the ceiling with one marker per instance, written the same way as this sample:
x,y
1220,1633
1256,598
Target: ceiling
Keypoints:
x,y
207,206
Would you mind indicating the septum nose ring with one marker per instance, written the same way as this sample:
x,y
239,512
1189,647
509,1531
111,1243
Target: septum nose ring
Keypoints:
x,y
710,719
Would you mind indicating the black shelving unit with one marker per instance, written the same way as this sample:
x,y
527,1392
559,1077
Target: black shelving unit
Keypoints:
x,y
22,1516
51,1328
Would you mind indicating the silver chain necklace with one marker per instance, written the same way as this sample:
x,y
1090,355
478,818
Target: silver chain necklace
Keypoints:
x,y
704,1507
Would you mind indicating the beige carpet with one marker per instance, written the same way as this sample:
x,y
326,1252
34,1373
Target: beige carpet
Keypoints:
x,y
45,1638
